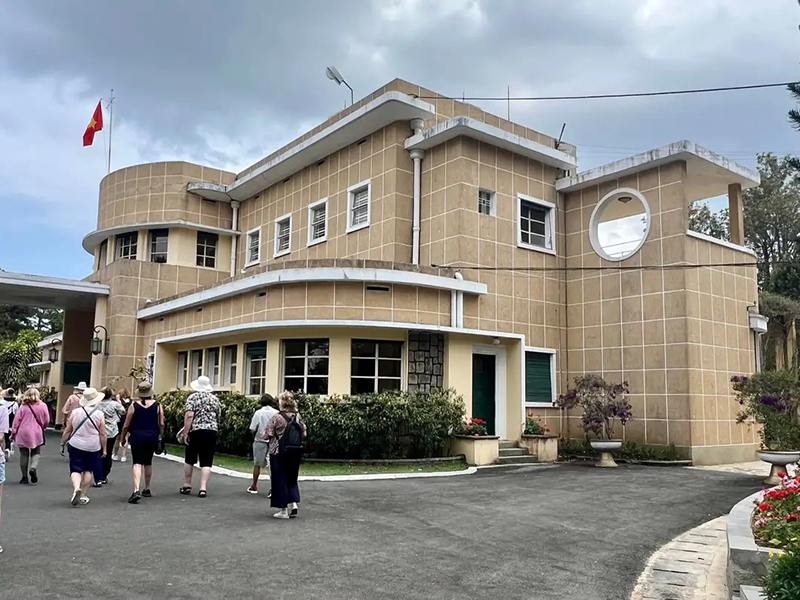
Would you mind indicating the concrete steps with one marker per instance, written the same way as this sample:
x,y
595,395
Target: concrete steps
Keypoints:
x,y
511,454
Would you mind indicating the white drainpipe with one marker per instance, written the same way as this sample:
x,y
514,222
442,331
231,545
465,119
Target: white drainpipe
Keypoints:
x,y
416,156
459,303
235,228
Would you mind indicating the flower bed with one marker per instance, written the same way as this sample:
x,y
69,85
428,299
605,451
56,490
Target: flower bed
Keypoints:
x,y
776,519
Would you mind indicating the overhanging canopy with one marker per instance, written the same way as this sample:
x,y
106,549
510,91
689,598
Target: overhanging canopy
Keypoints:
x,y
21,289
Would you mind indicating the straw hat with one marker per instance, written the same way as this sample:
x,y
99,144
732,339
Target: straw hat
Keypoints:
x,y
202,384
81,386
91,397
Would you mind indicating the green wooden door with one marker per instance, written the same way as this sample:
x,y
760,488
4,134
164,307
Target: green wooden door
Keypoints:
x,y
483,400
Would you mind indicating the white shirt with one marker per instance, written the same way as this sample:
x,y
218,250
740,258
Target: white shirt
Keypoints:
x,y
258,424
11,406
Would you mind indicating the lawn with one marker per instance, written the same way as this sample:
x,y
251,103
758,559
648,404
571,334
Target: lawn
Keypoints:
x,y
245,465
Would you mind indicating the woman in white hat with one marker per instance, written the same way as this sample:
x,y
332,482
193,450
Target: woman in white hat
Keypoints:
x,y
200,426
85,435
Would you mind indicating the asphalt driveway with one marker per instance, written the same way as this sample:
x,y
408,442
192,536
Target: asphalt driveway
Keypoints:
x,y
533,532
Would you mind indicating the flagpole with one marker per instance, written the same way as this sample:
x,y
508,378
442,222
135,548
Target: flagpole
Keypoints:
x,y
110,107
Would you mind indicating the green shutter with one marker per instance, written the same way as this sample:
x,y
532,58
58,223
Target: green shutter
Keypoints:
x,y
538,384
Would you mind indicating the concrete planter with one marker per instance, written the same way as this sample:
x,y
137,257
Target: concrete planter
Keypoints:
x,y
778,460
747,561
478,450
749,592
605,447
543,447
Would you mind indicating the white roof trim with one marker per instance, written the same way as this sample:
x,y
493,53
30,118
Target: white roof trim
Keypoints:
x,y
53,283
245,327
42,366
682,150
323,274
91,240
48,341
490,134
719,242
384,110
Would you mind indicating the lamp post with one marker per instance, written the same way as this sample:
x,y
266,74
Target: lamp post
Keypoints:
x,y
100,346
52,355
334,75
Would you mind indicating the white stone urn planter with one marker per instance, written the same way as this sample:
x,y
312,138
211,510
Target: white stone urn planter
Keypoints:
x,y
778,460
605,447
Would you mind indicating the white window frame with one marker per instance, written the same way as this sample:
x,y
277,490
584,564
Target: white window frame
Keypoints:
x,y
550,223
196,366
205,247
213,371
305,358
151,240
182,379
231,367
278,222
249,371
553,391
311,208
132,248
492,202
377,358
249,236
350,197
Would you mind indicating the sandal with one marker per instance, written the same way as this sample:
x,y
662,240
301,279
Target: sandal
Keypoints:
x,y
185,490
202,493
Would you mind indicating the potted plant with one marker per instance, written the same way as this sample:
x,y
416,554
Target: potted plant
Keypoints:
x,y
772,399
472,440
604,404
539,441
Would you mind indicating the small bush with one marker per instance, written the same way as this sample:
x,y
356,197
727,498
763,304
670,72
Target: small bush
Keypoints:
x,y
629,450
783,580
771,398
535,427
776,518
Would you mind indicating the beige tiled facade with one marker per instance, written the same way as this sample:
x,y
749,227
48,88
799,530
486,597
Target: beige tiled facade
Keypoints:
x,y
676,335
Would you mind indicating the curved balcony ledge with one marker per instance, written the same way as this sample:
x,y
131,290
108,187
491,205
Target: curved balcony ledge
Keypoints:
x,y
93,239
365,271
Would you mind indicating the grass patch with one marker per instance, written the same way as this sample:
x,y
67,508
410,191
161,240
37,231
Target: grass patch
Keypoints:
x,y
245,465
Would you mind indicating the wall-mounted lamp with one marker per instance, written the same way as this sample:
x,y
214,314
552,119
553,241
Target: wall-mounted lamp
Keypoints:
x,y
496,341
52,355
100,346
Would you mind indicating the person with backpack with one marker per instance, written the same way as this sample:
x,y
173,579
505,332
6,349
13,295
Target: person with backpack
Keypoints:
x,y
286,433
85,435
258,425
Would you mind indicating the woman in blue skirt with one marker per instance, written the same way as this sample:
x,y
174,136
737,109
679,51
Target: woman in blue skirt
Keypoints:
x,y
85,435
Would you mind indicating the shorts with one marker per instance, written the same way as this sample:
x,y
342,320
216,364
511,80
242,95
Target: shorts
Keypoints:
x,y
142,452
2,472
202,445
260,450
83,461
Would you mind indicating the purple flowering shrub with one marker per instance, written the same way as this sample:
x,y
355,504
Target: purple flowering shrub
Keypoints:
x,y
604,404
771,398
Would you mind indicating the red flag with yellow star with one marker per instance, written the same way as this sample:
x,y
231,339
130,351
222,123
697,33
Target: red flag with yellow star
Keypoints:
x,y
95,125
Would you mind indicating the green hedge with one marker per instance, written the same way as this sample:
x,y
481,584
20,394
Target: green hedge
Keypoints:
x,y
386,425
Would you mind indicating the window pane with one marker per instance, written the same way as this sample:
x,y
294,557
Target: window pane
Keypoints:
x,y
256,349
390,349
317,366
362,367
362,348
389,368
229,369
294,347
294,366
388,384
362,386
317,385
318,347
293,384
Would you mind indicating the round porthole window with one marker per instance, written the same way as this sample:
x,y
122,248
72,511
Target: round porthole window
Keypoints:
x,y
619,224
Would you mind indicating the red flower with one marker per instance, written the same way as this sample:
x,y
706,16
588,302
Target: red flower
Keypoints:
x,y
764,506
547,430
791,517
781,474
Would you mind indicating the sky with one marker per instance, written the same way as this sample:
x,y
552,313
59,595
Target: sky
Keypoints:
x,y
226,83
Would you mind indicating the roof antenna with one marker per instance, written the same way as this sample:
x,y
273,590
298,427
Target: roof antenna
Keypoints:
x,y
560,135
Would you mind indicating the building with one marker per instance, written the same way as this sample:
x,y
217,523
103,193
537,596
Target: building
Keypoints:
x,y
413,241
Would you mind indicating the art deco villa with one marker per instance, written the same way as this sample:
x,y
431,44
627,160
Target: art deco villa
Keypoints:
x,y
412,241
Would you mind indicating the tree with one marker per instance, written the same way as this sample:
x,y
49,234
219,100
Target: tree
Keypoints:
x,y
702,220
16,355
14,319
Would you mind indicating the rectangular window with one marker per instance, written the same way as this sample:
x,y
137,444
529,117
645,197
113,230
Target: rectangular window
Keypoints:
x,y
102,257
536,223
212,365
256,365
375,366
126,245
253,247
283,235
229,369
207,249
538,378
305,366
318,222
183,374
159,241
358,211
486,200
196,365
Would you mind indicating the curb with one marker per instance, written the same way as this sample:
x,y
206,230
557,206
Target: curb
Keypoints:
x,y
334,478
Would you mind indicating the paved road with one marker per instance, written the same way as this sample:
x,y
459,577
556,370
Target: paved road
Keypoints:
x,y
553,532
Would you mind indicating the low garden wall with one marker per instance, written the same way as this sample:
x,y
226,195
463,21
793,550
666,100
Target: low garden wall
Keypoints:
x,y
748,562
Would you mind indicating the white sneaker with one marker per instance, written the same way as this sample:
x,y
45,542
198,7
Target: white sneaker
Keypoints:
x,y
123,459
115,457
281,514
84,500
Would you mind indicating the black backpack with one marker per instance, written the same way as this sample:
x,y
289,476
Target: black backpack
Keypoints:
x,y
291,442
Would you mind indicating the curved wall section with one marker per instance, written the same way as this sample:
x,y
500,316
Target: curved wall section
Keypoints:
x,y
156,192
